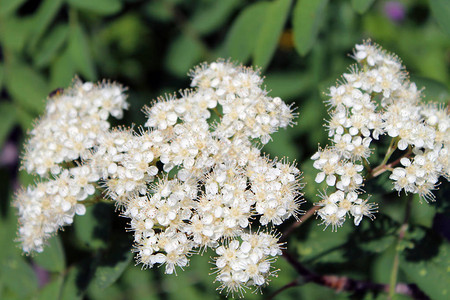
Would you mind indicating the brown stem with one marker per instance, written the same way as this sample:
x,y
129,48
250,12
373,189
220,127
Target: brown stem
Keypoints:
x,y
293,283
299,222
377,171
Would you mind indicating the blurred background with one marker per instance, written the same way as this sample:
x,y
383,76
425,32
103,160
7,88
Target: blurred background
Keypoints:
x,y
302,48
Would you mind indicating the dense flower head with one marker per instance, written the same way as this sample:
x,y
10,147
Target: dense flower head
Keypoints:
x,y
71,125
376,99
75,121
246,263
186,183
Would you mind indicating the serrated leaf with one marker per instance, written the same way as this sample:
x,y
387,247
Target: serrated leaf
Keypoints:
x,y
307,19
20,277
213,16
434,91
111,265
270,32
287,85
9,6
282,145
62,70
422,213
143,284
92,229
184,52
324,245
52,289
159,10
382,264
25,120
1,75
431,275
441,11
45,14
361,6
7,120
51,45
8,229
53,258
80,53
244,32
27,87
77,281
101,7
14,32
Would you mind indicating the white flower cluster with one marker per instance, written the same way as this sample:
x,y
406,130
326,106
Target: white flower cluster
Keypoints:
x,y
187,182
220,181
375,99
246,263
46,207
74,121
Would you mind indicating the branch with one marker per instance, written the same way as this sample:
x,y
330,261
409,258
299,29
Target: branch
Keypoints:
x,y
299,222
343,283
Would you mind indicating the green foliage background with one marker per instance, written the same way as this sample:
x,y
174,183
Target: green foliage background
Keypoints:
x,y
301,47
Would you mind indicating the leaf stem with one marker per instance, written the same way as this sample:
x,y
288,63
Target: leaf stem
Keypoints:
x,y
398,248
383,167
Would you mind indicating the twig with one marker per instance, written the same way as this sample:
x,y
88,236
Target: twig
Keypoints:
x,y
293,283
383,167
299,222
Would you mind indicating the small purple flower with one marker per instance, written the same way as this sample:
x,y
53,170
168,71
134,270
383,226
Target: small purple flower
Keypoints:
x,y
394,10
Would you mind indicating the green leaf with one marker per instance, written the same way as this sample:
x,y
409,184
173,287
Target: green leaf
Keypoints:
x,y
244,32
433,90
80,52
62,70
2,73
19,276
52,289
441,11
45,14
8,119
101,7
282,144
52,259
111,265
382,264
9,6
287,85
92,229
213,16
8,234
271,28
307,19
143,284
422,213
323,245
51,45
159,10
184,52
361,6
26,86
25,120
429,269
77,281
14,32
